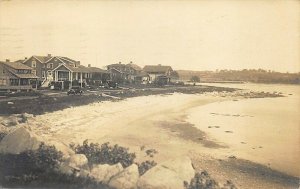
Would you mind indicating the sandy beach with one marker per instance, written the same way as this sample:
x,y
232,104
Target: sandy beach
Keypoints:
x,y
170,125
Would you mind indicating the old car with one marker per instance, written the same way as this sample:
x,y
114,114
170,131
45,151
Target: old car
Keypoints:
x,y
75,90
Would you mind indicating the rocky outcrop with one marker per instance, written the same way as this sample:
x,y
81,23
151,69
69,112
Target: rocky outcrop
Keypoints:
x,y
126,179
103,173
77,163
16,119
168,175
19,140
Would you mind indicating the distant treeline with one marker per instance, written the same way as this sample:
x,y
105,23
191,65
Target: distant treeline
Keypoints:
x,y
246,75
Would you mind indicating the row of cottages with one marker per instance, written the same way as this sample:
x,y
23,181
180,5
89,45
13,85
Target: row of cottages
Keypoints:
x,y
132,73
15,76
127,73
63,69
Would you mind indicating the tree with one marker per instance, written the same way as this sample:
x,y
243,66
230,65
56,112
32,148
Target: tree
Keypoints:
x,y
195,78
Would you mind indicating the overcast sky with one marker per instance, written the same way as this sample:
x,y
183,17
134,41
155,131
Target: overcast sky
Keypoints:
x,y
197,35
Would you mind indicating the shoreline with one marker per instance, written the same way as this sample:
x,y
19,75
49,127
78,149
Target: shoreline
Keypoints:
x,y
173,137
42,104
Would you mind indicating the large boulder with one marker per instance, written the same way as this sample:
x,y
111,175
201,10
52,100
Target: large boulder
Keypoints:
x,y
168,175
104,172
19,140
126,179
76,163
12,120
66,150
15,119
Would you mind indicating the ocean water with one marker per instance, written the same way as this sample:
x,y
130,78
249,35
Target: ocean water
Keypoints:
x,y
265,130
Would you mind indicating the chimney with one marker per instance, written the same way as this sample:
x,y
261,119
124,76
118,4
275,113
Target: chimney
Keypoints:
x,y
49,55
25,58
119,62
130,62
7,60
159,64
89,65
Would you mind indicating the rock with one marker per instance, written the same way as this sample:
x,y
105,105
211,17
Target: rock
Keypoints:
x,y
26,116
66,150
127,179
18,141
103,173
10,121
16,119
168,175
77,163
66,169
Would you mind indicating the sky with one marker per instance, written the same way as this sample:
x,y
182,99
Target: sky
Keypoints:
x,y
190,35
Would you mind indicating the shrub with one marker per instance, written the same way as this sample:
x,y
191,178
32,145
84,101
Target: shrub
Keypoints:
x,y
145,166
105,154
204,181
2,135
44,159
151,152
38,168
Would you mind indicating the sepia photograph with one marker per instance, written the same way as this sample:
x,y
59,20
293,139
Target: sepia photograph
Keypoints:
x,y
157,94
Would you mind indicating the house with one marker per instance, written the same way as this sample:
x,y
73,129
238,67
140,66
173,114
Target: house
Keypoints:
x,y
126,73
60,69
15,76
158,73
78,75
43,66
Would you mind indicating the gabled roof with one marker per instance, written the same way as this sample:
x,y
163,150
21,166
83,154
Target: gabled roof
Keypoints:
x,y
82,69
17,65
45,59
26,76
42,59
134,66
156,69
13,66
63,58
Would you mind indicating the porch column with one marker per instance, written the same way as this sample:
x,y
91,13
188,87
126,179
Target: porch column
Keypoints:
x,y
56,75
76,75
81,79
71,78
36,80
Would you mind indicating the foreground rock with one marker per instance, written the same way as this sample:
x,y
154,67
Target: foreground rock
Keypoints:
x,y
103,173
168,175
77,163
16,119
127,179
19,140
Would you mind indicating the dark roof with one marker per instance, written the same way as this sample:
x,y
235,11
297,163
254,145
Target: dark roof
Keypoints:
x,y
63,58
43,59
17,65
156,69
142,74
134,66
26,76
83,69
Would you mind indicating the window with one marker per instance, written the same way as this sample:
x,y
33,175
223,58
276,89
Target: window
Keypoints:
x,y
43,65
2,81
43,74
33,64
34,72
50,65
